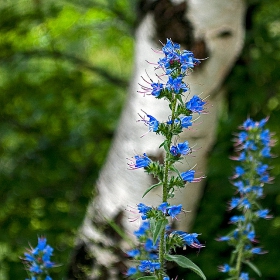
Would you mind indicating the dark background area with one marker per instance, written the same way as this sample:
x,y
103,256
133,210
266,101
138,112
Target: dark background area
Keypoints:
x,y
64,70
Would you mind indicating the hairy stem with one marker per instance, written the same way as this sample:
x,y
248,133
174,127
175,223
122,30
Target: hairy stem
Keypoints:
x,y
162,245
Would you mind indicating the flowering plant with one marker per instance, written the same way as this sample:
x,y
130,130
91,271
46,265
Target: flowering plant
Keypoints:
x,y
155,234
253,145
38,260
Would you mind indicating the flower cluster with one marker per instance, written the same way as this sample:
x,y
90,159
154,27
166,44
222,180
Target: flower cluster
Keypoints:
x,y
148,253
154,235
39,260
253,144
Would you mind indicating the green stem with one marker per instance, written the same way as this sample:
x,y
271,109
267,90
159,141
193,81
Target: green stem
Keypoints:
x,y
162,245
239,261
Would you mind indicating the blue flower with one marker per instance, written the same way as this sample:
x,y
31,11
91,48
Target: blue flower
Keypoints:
x,y
143,209
189,239
142,229
174,210
239,171
258,250
174,151
133,253
152,123
236,219
148,266
185,121
156,89
224,268
234,202
223,238
244,276
162,207
183,148
139,162
187,60
149,246
188,176
263,214
170,47
39,258
243,136
195,104
250,145
265,152
248,124
176,85
131,271
245,203
261,168
180,149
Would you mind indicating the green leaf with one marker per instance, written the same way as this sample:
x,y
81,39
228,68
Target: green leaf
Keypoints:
x,y
253,267
172,168
186,263
166,146
151,187
159,227
147,278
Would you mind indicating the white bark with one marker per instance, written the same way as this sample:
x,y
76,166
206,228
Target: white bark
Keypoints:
x,y
118,187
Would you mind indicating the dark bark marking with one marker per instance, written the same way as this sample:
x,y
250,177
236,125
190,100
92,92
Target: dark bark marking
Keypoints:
x,y
225,34
81,262
171,22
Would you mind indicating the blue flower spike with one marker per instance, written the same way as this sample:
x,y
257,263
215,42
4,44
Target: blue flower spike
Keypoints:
x,y
155,236
38,259
253,146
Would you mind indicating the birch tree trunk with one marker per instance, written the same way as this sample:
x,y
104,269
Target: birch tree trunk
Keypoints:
x,y
213,29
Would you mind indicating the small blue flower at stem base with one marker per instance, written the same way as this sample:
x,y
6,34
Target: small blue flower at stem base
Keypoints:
x,y
148,266
195,104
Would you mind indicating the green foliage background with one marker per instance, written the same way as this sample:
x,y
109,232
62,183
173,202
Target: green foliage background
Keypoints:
x,y
64,69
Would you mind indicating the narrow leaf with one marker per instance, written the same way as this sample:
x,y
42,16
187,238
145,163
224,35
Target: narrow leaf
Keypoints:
x,y
151,187
159,227
147,278
253,267
175,170
186,263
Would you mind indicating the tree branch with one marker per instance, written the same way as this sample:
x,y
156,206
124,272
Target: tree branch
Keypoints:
x,y
71,58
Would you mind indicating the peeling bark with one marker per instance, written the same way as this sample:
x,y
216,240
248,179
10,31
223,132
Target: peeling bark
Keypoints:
x,y
212,29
